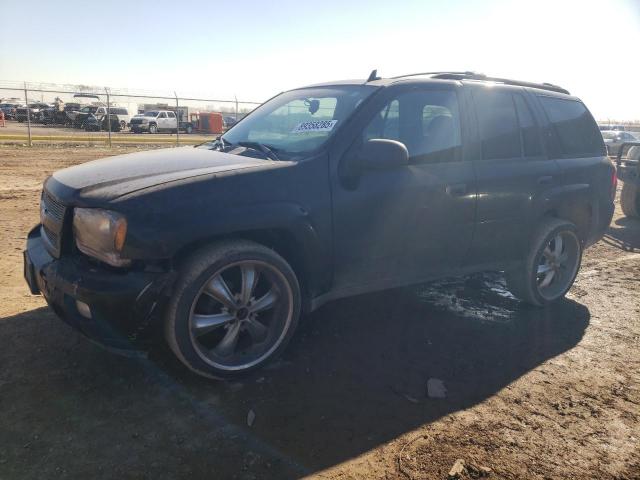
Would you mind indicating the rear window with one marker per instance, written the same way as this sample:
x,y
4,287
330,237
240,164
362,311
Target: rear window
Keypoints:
x,y
576,132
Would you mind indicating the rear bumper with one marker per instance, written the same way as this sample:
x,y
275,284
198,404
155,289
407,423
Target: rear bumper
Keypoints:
x,y
601,219
125,307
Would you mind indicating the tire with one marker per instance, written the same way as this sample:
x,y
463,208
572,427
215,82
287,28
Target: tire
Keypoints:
x,y
189,129
123,125
630,200
153,128
218,341
529,281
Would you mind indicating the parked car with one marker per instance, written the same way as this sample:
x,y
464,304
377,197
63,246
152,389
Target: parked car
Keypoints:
x,y
322,192
80,117
617,128
35,112
124,117
614,139
9,110
94,123
154,121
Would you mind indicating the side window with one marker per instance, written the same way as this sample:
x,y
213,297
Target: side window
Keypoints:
x,y
162,115
575,129
171,115
385,124
529,129
499,132
427,122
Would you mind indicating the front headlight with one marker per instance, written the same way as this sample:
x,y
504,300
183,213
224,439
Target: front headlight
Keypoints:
x,y
100,234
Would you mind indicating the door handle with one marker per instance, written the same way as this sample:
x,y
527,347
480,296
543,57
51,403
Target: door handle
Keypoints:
x,y
546,180
457,190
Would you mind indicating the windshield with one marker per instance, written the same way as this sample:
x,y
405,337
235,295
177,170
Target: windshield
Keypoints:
x,y
89,109
151,114
299,120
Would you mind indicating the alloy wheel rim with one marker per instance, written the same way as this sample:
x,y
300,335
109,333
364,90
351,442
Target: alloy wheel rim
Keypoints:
x,y
557,265
241,315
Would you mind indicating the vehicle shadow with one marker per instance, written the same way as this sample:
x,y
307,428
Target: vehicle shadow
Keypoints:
x,y
353,379
624,233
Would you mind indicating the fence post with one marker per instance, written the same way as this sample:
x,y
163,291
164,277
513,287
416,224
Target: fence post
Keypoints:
x,y
177,120
108,114
26,101
236,98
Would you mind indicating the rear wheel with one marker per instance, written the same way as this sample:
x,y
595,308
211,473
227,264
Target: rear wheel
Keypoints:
x,y
235,307
630,200
551,266
123,124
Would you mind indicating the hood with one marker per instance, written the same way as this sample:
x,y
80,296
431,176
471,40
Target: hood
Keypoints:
x,y
112,177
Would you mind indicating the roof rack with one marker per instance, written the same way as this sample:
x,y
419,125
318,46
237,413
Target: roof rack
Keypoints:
x,y
483,77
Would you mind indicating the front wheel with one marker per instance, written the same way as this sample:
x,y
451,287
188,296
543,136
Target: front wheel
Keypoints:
x,y
153,128
235,307
551,265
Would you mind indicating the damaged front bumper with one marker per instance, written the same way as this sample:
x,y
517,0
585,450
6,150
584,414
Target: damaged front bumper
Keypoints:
x,y
121,310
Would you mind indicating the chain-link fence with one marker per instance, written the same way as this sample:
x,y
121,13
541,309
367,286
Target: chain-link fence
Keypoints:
x,y
54,113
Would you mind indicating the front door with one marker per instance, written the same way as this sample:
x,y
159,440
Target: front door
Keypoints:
x,y
411,222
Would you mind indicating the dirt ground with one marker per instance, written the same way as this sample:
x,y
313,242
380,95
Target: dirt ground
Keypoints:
x,y
530,394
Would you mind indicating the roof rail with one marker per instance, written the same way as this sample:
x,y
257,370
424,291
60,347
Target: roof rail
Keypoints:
x,y
482,77
435,73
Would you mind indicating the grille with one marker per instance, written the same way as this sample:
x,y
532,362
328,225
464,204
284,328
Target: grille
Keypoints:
x,y
51,236
136,121
52,214
52,207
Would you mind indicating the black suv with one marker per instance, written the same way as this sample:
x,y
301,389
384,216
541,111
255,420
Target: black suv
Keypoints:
x,y
323,192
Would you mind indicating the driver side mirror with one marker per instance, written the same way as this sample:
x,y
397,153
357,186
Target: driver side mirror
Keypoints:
x,y
379,154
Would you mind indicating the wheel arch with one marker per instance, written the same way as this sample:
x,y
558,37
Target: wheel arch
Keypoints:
x,y
305,258
578,213
572,203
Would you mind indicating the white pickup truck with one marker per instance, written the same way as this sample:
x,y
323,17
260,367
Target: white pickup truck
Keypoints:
x,y
154,121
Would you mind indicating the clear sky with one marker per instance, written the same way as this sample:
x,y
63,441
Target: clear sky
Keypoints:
x,y
254,49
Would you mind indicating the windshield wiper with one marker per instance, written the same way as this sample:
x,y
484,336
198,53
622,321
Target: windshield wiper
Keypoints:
x,y
269,151
223,145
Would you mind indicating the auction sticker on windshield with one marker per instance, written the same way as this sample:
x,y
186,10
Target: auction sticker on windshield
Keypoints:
x,y
315,126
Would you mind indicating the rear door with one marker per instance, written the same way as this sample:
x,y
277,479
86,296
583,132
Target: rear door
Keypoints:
x,y
578,148
172,121
408,222
512,171
162,121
